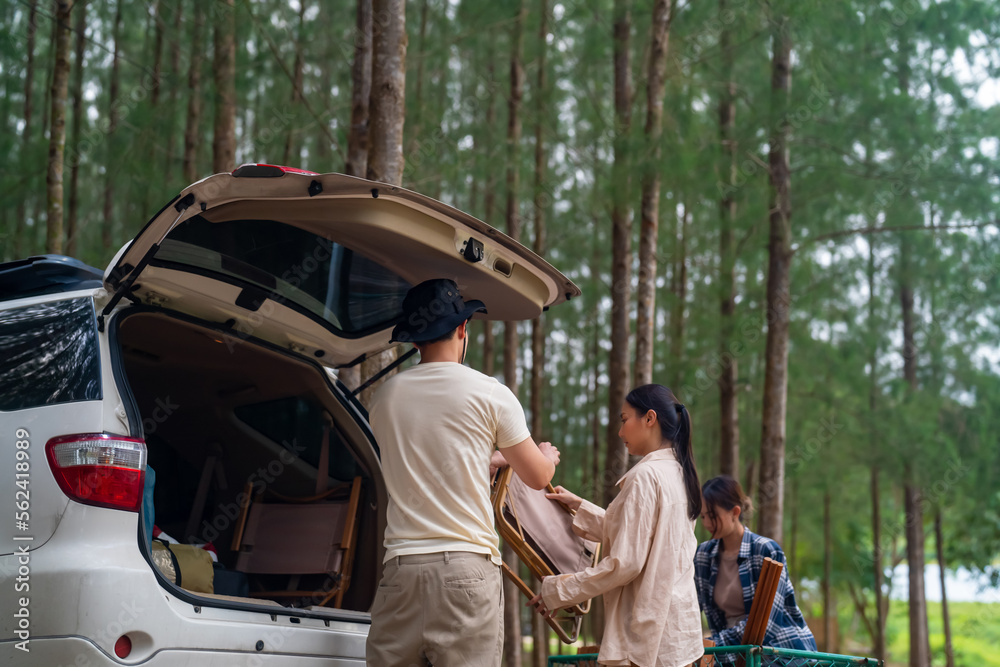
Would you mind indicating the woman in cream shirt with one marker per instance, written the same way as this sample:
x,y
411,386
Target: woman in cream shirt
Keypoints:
x,y
651,609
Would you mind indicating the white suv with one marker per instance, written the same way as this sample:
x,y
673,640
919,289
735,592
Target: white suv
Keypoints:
x,y
206,354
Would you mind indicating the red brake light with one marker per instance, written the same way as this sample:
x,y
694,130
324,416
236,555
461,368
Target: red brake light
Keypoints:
x,y
99,469
261,170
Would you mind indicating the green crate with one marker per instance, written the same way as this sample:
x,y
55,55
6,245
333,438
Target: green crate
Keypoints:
x,y
753,656
766,656
581,660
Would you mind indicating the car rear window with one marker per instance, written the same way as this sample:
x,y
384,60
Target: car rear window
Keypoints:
x,y
49,354
325,280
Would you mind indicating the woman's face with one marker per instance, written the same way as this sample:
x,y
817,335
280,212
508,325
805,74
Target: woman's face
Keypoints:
x,y
639,432
721,523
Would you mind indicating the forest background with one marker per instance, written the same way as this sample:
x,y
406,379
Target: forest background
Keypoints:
x,y
785,211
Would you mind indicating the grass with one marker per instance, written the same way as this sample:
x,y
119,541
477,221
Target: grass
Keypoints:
x,y
975,631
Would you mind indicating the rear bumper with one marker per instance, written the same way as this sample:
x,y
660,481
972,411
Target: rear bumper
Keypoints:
x,y
89,585
52,651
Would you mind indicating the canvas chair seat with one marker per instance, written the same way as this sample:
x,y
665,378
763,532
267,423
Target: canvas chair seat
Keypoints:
x,y
298,537
547,527
293,539
540,531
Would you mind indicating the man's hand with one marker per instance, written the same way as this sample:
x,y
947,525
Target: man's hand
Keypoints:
x,y
534,464
497,461
549,451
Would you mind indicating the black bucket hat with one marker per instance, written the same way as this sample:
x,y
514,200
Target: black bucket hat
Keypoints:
x,y
432,309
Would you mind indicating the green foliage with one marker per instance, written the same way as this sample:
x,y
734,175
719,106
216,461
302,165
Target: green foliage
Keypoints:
x,y
865,154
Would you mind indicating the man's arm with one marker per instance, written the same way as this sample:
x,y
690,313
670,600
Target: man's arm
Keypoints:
x,y
534,464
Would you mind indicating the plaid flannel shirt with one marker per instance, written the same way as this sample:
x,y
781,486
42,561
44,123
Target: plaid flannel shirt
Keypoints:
x,y
786,628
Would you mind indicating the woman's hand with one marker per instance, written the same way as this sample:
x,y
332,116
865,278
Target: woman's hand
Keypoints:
x,y
539,606
567,498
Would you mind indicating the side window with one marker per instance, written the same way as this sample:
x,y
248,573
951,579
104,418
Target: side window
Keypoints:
x,y
49,354
297,424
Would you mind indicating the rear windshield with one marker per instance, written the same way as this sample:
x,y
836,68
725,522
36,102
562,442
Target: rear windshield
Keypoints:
x,y
49,354
323,279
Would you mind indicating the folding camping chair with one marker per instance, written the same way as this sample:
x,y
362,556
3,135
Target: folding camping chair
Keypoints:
x,y
763,602
540,532
300,536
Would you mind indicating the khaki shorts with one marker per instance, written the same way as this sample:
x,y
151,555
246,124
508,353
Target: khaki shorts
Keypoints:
x,y
443,609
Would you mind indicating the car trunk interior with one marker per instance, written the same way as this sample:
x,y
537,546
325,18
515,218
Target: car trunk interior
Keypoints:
x,y
232,427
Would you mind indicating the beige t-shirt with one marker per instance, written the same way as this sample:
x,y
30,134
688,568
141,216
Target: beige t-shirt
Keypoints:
x,y
436,425
728,589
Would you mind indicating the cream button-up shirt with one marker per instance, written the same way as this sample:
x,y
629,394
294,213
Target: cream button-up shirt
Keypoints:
x,y
652,618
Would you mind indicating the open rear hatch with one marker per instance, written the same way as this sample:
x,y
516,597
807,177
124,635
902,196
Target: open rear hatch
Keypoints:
x,y
319,263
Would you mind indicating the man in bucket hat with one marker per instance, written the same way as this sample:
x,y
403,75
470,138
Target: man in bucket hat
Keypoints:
x,y
440,600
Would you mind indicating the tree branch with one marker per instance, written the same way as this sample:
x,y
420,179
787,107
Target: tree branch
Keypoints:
x,y
898,228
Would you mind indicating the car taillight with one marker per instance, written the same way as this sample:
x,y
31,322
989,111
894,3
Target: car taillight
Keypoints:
x,y
99,469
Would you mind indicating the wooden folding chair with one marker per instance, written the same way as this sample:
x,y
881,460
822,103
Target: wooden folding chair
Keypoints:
x,y
540,532
763,602
297,537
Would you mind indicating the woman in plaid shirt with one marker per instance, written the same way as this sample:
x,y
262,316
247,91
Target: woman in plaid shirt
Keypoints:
x,y
727,567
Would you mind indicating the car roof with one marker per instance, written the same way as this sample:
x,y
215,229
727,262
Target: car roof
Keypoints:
x,y
46,274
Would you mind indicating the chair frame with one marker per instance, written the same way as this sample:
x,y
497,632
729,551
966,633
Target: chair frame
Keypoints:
x,y
348,540
514,536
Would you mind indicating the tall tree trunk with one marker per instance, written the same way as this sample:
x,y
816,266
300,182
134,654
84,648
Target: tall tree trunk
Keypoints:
x,y
192,136
772,446
297,66
387,107
920,649
357,137
920,652
224,66
57,131
538,207
510,337
645,326
512,604
361,91
174,84
729,445
80,27
322,155
154,96
539,630
793,547
621,250
679,277
416,127
21,217
107,219
489,198
949,653
829,611
912,494
877,572
650,201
